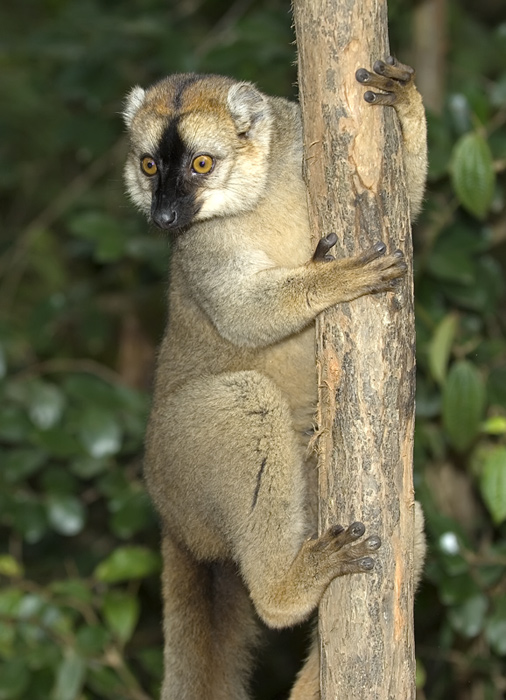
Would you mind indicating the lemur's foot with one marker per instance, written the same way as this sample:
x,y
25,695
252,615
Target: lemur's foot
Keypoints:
x,y
375,271
391,76
342,554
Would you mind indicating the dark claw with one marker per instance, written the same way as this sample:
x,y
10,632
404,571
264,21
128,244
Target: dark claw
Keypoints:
x,y
323,247
379,67
379,98
373,253
336,530
389,76
400,71
373,542
366,564
398,253
356,530
362,75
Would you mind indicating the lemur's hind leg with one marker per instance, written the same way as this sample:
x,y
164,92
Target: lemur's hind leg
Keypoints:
x,y
398,89
241,475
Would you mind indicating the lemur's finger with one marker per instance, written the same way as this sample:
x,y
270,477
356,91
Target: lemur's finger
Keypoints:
x,y
321,253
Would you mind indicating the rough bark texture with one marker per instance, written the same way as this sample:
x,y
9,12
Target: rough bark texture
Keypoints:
x,y
365,351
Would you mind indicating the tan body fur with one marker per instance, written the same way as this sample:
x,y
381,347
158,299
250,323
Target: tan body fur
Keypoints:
x,y
235,391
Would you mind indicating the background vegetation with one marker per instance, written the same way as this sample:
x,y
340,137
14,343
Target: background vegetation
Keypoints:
x,y
82,306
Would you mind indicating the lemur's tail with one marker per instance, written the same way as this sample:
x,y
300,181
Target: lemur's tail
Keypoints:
x,y
210,628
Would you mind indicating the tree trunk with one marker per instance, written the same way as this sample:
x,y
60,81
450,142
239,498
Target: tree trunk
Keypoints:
x,y
353,168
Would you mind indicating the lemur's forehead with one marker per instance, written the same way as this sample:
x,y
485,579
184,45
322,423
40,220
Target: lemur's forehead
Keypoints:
x,y
184,93
196,104
198,127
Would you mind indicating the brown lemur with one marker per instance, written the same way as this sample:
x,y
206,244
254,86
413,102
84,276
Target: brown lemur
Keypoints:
x,y
218,165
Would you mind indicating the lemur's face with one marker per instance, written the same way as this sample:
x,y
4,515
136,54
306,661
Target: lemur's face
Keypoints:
x,y
199,148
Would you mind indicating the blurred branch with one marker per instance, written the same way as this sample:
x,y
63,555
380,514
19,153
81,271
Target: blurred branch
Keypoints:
x,y
220,29
429,51
57,366
497,121
116,661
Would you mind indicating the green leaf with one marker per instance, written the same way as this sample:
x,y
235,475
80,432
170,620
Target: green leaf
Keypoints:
x,y
7,640
74,589
441,345
9,566
58,619
69,677
43,656
151,659
92,639
104,682
10,599
31,604
493,483
473,175
131,514
498,92
129,562
58,443
496,386
66,514
14,424
457,589
495,627
22,463
121,613
495,425
450,548
463,404
87,467
115,485
29,518
14,678
100,433
105,231
45,404
90,390
48,259
483,293
468,619
57,480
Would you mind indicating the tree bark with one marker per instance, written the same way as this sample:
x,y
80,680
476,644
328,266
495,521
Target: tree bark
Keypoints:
x,y
354,171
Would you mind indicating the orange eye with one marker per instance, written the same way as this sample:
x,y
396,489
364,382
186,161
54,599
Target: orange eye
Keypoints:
x,y
149,166
202,164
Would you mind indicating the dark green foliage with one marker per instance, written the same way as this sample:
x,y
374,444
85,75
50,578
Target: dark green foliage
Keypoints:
x,y
82,306
461,409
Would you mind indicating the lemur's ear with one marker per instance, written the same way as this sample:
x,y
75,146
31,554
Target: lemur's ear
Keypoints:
x,y
133,101
247,106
